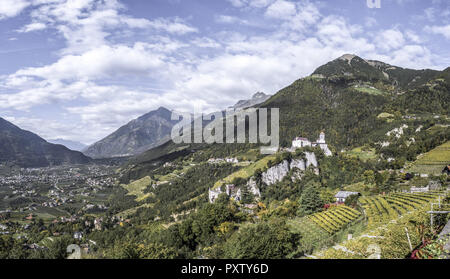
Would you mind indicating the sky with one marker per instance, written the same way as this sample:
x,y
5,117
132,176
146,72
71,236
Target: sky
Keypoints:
x,y
80,69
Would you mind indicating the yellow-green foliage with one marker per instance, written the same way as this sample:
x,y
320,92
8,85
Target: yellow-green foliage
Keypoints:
x,y
174,175
335,219
390,240
312,235
137,188
434,161
363,153
369,90
386,116
133,210
246,172
382,209
360,187
250,155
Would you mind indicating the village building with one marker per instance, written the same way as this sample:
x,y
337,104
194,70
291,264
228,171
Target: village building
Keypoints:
x,y
342,196
78,235
320,142
419,189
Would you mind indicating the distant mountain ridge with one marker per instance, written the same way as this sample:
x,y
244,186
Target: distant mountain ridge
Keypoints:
x,y
139,135
148,131
353,67
72,145
27,149
256,99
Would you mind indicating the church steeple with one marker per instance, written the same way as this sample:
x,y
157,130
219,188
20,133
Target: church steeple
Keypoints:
x,y
321,137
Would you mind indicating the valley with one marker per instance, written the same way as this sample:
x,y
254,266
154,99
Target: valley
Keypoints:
x,y
363,189
55,192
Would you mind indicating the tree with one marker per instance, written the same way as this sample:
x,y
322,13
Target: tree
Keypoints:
x,y
327,196
310,201
246,196
266,240
369,176
57,248
351,200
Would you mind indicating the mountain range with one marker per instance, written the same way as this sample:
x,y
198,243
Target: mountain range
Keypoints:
x,y
344,98
72,145
139,135
26,149
148,131
256,99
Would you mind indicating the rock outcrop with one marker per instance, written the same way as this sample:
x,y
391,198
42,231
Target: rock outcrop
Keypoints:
x,y
273,175
277,173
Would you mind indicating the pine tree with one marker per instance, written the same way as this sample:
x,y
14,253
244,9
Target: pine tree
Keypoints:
x,y
310,201
247,197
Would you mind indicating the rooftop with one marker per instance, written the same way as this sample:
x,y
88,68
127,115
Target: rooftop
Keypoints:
x,y
345,194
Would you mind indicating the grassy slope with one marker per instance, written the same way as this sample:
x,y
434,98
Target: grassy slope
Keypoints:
x,y
363,154
246,172
137,188
434,161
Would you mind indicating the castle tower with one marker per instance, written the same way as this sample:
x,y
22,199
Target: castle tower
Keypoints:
x,y
321,138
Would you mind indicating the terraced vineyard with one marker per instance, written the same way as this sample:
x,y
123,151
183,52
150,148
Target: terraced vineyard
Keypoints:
x,y
313,236
382,209
434,161
335,219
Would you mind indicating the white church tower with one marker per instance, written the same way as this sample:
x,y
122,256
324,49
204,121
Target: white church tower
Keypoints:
x,y
321,139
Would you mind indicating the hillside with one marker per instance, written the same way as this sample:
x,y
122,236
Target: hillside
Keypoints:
x,y
344,98
434,161
218,201
26,149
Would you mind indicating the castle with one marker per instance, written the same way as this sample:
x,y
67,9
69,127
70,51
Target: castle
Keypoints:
x,y
303,142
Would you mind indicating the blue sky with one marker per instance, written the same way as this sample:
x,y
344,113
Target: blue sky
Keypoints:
x,y
79,69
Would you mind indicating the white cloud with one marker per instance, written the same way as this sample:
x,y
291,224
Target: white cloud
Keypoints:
x,y
370,22
11,8
36,26
205,42
412,56
49,128
86,24
102,62
102,80
390,39
281,9
307,15
439,30
413,37
250,3
226,19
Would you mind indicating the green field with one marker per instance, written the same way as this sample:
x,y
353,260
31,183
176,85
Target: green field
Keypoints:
x,y
369,90
137,188
434,161
386,116
246,172
363,153
175,174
